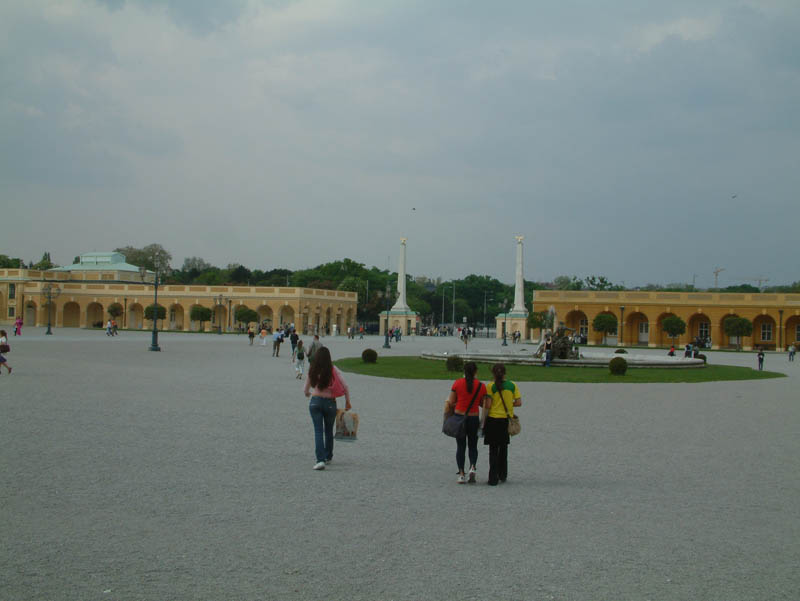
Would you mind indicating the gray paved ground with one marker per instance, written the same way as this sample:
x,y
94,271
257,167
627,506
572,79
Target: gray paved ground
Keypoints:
x,y
186,474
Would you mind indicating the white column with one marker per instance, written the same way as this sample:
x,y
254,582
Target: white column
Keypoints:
x,y
519,287
401,304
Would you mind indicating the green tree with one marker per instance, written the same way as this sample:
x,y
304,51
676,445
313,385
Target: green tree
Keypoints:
x,y
594,282
565,282
540,320
149,256
738,327
606,323
239,274
201,314
7,262
115,310
45,262
245,315
747,288
674,326
161,312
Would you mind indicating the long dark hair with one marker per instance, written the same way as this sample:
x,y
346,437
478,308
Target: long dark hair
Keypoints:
x,y
499,371
470,369
320,374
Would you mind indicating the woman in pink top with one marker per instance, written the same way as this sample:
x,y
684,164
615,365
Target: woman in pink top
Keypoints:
x,y
322,385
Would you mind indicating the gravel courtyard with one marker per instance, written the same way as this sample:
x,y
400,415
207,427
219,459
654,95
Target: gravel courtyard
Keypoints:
x,y
186,475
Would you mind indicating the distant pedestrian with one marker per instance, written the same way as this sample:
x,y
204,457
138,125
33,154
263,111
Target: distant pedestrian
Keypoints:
x,y
277,338
263,336
109,330
792,350
320,384
760,359
687,351
4,348
114,327
548,351
466,396
299,359
293,338
251,334
671,352
18,326
312,351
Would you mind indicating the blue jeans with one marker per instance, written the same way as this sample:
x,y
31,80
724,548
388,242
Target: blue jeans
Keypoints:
x,y
548,357
323,414
473,423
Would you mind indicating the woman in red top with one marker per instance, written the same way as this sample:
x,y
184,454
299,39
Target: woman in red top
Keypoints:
x,y
462,393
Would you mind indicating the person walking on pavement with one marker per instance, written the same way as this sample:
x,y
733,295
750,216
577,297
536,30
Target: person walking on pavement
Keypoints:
x,y
322,376
792,350
251,334
4,348
760,359
299,359
312,351
466,396
503,397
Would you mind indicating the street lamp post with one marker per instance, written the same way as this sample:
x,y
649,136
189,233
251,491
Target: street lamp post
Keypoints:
x,y
219,301
622,326
505,323
386,327
484,313
159,271
50,292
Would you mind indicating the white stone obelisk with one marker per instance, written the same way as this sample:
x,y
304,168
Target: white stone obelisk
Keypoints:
x,y
401,304
519,287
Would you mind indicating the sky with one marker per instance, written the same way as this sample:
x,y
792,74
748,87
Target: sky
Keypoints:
x,y
647,141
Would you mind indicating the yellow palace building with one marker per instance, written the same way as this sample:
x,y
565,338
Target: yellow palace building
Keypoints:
x,y
775,317
80,295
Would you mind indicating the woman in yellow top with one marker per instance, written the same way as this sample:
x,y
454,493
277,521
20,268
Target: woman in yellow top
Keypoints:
x,y
499,405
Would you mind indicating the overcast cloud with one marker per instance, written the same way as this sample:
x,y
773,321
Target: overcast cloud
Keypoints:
x,y
613,135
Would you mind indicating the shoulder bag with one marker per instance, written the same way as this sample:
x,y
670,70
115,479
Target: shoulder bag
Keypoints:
x,y
456,425
336,386
514,427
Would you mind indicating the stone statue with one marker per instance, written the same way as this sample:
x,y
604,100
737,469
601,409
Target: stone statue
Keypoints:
x,y
564,346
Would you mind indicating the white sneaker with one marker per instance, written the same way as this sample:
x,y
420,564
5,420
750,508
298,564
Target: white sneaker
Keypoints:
x,y
472,474
319,465
461,479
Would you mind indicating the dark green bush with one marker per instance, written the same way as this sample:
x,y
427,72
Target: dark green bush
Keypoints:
x,y
621,351
618,366
703,357
455,363
369,356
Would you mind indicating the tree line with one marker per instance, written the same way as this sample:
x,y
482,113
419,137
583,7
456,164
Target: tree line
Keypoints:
x,y
436,300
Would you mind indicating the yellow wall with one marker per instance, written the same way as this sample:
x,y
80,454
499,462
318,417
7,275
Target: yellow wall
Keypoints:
x,y
84,302
781,312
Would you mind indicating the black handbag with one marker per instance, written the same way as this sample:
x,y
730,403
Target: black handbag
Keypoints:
x,y
456,425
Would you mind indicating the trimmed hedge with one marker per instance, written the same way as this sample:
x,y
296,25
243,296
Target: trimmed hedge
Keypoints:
x,y
618,366
455,363
621,351
369,356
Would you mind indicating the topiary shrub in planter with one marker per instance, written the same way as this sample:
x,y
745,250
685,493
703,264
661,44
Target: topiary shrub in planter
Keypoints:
x,y
703,357
369,356
618,366
621,351
455,363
